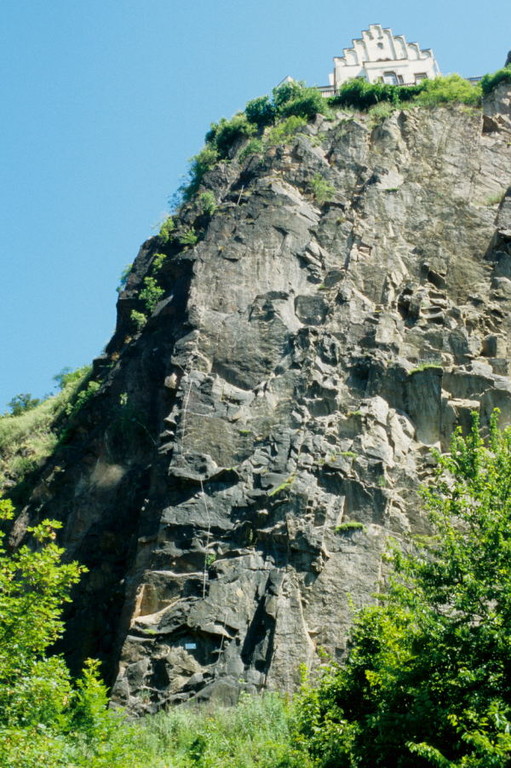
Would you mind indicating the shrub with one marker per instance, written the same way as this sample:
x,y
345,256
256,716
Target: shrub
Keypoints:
x,y
151,294
382,110
308,104
286,129
82,397
443,90
286,92
21,403
200,164
321,188
138,319
188,237
261,111
253,147
207,203
167,229
489,82
158,261
361,94
226,132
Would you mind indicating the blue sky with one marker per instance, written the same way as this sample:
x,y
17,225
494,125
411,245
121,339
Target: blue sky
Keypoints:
x,y
103,103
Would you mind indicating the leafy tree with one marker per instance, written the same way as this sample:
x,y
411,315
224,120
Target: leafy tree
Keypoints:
x,y
22,403
261,111
489,82
287,92
427,681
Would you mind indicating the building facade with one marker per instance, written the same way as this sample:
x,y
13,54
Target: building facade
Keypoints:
x,y
381,56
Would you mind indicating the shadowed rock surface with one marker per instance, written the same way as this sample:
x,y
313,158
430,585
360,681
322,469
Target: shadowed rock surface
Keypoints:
x,y
290,384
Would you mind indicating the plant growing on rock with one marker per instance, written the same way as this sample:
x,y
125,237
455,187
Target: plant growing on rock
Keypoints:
x,y
188,237
321,189
285,130
138,319
489,82
151,293
166,229
207,203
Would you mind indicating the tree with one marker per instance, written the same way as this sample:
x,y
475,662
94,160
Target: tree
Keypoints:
x,y
428,678
22,403
45,717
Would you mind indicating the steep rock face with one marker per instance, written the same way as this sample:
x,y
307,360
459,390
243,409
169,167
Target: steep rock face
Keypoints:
x,y
233,483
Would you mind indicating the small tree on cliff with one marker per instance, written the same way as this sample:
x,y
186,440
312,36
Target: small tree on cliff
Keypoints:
x,y
428,677
45,718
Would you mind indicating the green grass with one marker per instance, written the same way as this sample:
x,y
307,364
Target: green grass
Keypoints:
x,y
27,440
350,525
425,366
255,733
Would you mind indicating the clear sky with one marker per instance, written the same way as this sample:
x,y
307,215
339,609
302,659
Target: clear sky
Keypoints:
x,y
103,103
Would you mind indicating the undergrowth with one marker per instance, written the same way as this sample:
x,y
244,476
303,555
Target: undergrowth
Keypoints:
x,y
27,439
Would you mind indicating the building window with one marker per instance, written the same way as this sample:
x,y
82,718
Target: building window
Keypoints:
x,y
390,78
420,76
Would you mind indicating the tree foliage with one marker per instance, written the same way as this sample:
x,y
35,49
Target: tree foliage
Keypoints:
x,y
45,717
22,403
490,81
428,678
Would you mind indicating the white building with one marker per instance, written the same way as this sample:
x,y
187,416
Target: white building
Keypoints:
x,y
380,56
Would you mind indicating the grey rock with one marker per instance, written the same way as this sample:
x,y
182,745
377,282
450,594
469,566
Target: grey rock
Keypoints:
x,y
309,360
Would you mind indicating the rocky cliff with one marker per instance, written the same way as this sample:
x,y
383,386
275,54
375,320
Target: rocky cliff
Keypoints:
x,y
233,483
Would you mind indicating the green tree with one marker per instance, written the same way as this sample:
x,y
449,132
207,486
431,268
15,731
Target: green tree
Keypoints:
x,y
22,403
261,111
427,681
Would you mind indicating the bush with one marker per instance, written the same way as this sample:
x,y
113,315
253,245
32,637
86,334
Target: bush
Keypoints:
x,y
261,111
360,94
489,82
44,718
321,188
167,229
285,130
207,203
82,397
151,294
225,133
158,261
308,104
443,90
188,237
21,403
427,678
252,147
138,319
200,164
287,92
